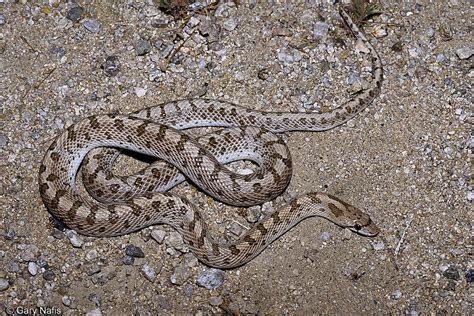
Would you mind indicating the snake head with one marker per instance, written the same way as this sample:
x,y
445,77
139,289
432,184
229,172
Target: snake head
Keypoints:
x,y
348,216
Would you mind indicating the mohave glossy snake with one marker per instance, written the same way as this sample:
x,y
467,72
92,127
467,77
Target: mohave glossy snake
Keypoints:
x,y
127,204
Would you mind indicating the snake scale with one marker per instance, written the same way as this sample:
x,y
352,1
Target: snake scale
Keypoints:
x,y
122,206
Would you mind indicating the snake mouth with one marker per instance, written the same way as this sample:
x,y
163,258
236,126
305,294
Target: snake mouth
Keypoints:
x,y
367,230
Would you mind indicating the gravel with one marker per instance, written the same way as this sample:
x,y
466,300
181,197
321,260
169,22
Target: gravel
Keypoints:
x,y
405,160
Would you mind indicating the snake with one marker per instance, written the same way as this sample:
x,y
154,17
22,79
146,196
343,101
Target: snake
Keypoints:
x,y
117,206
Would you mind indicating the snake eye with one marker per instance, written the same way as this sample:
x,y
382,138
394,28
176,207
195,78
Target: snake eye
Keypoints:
x,y
357,227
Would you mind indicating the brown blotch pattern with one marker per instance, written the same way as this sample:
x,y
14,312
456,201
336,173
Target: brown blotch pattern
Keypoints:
x,y
335,210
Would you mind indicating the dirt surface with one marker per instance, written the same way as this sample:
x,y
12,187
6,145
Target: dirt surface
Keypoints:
x,y
404,160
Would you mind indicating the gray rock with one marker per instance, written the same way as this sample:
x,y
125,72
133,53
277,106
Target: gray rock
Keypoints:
x,y
211,278
320,30
4,284
41,262
176,241
325,236
464,52
91,255
188,290
91,268
469,275
158,235
57,234
14,266
452,273
112,65
230,24
94,312
2,19
235,229
142,47
379,245
49,275
10,233
180,275
67,300
193,21
92,26
397,294
215,300
134,251
94,298
32,268
30,253
289,57
253,214
128,261
74,238
74,14
3,141
149,272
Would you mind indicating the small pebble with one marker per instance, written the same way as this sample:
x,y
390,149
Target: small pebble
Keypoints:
x,y
325,236
140,92
3,141
112,65
92,26
128,261
91,255
74,14
30,253
158,235
180,275
469,275
134,251
67,300
235,229
94,312
230,24
188,290
464,52
57,234
49,275
10,233
14,266
149,272
452,273
211,278
142,47
379,245
320,30
215,300
2,19
94,298
32,268
176,241
41,262
4,284
397,294
74,238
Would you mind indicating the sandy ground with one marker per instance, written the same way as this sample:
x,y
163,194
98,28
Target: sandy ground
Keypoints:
x,y
404,160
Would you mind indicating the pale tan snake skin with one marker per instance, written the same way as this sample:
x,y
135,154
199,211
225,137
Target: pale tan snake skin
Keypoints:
x,y
155,132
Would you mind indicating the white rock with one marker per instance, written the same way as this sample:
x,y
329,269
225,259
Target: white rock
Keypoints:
x,y
140,92
32,268
464,52
74,238
149,272
94,312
